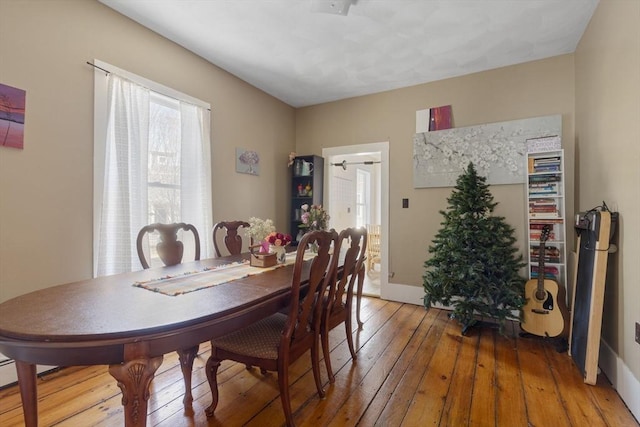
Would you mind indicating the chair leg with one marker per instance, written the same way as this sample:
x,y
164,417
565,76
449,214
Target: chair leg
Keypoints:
x,y
283,383
212,375
349,329
315,366
324,337
359,297
187,357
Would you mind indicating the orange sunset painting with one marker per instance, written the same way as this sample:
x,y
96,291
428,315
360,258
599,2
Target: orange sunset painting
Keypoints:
x,y
12,105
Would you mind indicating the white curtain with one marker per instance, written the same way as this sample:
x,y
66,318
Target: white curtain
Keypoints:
x,y
121,207
195,171
123,210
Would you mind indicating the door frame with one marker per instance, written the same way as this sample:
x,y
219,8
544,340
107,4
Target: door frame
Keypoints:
x,y
381,148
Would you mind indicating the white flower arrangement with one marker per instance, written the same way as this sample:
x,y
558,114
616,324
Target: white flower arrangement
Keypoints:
x,y
259,228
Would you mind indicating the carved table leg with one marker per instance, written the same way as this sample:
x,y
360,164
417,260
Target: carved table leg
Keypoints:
x,y
187,356
28,392
359,295
134,377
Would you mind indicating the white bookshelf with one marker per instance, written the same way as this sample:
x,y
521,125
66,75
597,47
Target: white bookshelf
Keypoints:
x,y
545,193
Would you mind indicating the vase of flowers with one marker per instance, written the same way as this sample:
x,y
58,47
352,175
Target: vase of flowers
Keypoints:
x,y
278,243
258,230
314,217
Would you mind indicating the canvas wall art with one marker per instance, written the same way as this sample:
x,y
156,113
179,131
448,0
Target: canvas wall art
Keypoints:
x,y
435,118
247,161
12,109
497,150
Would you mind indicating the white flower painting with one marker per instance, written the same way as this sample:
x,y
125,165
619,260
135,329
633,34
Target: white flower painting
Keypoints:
x,y
247,161
497,150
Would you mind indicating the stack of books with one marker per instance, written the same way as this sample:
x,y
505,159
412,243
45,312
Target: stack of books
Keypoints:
x,y
543,208
544,185
551,254
535,232
544,164
550,272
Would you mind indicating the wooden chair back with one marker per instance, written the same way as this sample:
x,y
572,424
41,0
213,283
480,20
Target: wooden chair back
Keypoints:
x,y
351,247
273,343
353,242
373,245
305,311
170,249
232,240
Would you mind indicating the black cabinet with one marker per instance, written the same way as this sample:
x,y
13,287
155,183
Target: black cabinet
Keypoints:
x,y
307,180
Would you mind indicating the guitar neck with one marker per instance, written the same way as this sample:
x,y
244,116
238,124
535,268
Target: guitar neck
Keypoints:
x,y
541,267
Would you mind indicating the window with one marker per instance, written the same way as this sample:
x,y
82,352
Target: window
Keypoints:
x,y
363,196
163,179
151,164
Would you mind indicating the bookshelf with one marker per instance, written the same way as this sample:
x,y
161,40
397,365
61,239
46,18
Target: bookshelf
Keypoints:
x,y
306,188
546,207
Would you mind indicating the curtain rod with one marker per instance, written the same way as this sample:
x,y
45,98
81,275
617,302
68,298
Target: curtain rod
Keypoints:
x,y
107,72
344,163
99,68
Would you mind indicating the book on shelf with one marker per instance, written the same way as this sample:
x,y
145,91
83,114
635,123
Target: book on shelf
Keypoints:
x,y
550,254
543,222
550,272
537,234
544,215
544,178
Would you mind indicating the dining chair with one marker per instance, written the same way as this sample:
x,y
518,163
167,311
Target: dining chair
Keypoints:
x,y
338,304
232,240
170,250
275,342
373,249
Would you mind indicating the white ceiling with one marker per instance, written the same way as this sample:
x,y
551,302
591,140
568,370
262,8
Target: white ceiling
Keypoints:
x,y
304,58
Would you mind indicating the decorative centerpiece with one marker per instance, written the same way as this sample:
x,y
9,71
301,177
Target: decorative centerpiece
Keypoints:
x,y
278,243
261,259
313,218
258,230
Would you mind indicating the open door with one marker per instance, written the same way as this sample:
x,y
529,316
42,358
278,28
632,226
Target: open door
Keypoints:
x,y
356,195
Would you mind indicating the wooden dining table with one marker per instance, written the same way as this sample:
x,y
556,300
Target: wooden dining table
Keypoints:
x,y
108,320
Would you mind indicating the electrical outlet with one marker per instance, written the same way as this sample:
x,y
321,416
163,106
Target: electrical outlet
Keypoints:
x,y
638,332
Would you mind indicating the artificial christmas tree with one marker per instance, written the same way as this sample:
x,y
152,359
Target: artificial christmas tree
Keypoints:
x,y
474,267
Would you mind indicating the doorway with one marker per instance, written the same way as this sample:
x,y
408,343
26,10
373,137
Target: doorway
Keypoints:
x,y
356,194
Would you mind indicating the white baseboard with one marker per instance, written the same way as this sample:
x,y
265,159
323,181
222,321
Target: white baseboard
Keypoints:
x,y
621,377
403,293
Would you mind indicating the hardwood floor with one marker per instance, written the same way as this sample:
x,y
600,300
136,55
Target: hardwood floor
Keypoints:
x,y
413,369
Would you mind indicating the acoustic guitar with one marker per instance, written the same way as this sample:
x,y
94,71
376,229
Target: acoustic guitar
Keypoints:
x,y
545,313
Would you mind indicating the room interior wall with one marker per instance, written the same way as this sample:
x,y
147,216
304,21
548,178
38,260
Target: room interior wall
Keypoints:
x,y
533,89
46,189
607,63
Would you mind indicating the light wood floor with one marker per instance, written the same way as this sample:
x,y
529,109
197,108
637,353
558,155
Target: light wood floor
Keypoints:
x,y
413,369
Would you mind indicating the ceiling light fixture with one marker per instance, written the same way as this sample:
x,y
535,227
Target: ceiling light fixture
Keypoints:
x,y
334,7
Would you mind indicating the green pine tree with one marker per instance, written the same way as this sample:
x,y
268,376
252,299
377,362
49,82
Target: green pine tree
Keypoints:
x,y
474,265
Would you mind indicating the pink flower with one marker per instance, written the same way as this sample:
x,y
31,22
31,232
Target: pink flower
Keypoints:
x,y
314,217
278,239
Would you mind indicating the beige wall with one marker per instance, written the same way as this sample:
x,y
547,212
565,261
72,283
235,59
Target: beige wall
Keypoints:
x,y
534,89
608,157
46,189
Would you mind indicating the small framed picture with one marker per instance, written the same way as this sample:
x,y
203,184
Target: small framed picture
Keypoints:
x,y
247,161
